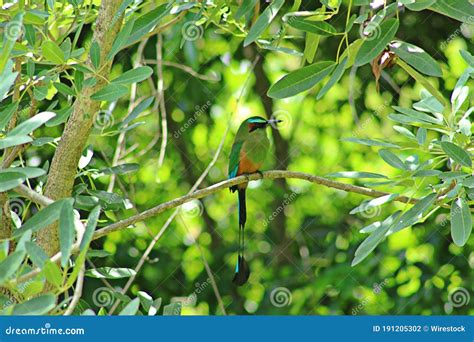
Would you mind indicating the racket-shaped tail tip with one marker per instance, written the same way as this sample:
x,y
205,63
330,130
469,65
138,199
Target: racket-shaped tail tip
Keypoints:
x,y
242,272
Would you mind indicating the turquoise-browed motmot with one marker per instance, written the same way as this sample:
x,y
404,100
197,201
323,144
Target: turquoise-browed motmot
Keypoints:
x,y
247,156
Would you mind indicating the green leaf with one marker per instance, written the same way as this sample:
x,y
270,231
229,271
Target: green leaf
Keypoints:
x,y
418,115
94,54
419,5
376,225
8,78
335,77
417,58
317,27
90,228
245,8
110,93
351,52
53,273
311,46
461,10
468,182
10,265
378,235
52,52
40,305
371,47
414,214
11,33
263,21
355,174
36,254
146,22
134,75
461,221
28,126
172,309
6,114
300,80
467,57
391,159
136,111
421,135
110,273
370,142
10,180
121,39
131,308
43,218
456,153
66,232
14,141
64,89
29,172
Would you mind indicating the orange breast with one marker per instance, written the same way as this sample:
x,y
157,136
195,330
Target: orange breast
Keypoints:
x,y
246,165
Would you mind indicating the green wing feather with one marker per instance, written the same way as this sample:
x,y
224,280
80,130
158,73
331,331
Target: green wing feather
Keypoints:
x,y
235,158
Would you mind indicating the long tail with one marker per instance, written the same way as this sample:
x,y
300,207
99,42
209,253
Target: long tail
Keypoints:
x,y
242,271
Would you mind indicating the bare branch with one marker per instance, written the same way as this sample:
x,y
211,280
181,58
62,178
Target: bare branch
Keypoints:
x,y
274,174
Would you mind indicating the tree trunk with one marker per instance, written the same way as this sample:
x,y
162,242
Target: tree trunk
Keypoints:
x,y
66,158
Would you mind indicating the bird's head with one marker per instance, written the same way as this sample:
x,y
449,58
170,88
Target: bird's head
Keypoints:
x,y
256,122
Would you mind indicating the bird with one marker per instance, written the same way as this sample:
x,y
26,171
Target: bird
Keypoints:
x,y
247,156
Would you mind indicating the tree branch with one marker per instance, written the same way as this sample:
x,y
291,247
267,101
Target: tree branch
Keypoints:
x,y
274,174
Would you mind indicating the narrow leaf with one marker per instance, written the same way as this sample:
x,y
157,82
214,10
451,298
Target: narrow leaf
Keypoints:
x,y
461,221
300,80
263,21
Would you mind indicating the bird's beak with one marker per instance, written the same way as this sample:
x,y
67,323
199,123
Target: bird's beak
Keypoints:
x,y
273,122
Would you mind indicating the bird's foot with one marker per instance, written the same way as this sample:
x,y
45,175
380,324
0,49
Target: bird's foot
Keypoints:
x,y
260,173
